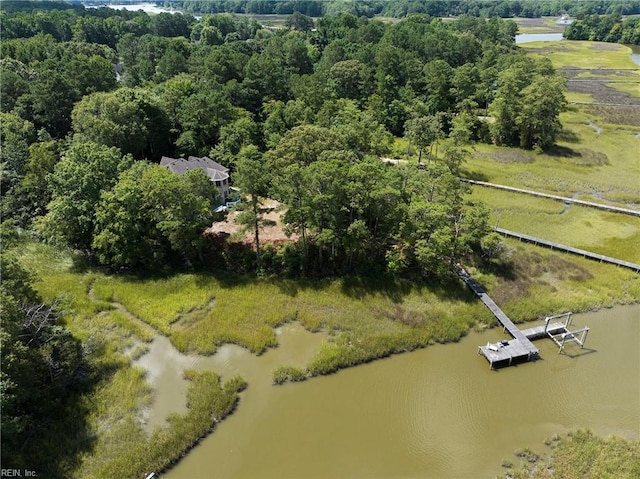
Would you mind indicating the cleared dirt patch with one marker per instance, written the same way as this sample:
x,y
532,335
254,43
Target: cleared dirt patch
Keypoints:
x,y
268,234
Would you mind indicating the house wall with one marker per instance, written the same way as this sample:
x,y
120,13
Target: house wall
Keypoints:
x,y
223,188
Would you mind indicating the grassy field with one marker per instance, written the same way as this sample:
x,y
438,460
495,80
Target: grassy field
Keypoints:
x,y
596,159
597,163
605,233
596,156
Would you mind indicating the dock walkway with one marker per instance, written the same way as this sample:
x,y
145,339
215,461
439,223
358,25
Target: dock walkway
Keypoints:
x,y
590,204
520,347
553,245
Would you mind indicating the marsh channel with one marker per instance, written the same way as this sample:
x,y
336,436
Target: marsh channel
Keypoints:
x,y
438,412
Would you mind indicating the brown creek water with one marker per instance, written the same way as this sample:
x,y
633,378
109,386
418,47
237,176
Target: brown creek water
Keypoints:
x,y
434,413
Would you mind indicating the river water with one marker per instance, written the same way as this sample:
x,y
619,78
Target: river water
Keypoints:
x,y
538,37
635,53
433,413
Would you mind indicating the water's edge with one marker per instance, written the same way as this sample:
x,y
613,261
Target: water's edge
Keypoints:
x,y
418,413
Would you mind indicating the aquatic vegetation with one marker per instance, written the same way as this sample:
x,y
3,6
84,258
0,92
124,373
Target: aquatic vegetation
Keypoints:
x,y
581,454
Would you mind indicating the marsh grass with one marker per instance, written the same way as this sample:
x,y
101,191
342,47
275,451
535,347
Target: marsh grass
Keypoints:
x,y
581,454
632,88
578,96
365,320
611,234
208,402
583,54
114,443
156,301
598,160
535,283
539,25
596,156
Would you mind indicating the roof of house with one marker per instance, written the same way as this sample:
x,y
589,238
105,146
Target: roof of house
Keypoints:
x,y
213,170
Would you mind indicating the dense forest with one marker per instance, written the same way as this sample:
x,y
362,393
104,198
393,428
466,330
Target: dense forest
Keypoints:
x,y
312,109
401,8
606,28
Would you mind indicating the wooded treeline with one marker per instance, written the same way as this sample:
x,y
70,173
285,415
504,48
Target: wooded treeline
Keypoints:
x,y
402,8
311,110
605,28
44,372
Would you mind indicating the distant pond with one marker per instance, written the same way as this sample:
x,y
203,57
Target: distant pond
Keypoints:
x,y
538,37
635,53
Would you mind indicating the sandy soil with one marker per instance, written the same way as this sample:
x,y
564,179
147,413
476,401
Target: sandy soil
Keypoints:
x,y
268,234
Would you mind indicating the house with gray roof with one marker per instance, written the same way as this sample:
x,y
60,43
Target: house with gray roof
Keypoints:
x,y
215,171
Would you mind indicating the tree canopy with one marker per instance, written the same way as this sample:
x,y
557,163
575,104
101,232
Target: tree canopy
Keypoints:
x,y
43,366
152,216
301,114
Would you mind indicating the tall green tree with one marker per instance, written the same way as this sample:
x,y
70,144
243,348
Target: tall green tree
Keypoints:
x,y
128,119
153,218
527,105
299,148
252,176
440,226
83,173
31,196
422,132
538,121
350,79
358,130
281,117
16,134
234,137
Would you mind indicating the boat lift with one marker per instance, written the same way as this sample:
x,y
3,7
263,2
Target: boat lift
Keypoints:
x,y
578,336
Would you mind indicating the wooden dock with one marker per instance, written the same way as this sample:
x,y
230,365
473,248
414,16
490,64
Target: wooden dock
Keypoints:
x,y
569,249
539,332
564,199
520,348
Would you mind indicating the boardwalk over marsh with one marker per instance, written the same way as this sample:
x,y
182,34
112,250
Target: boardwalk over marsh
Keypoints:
x,y
569,249
611,209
